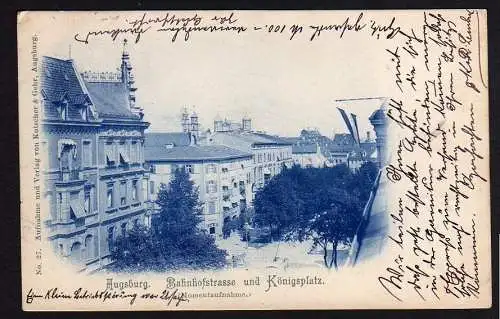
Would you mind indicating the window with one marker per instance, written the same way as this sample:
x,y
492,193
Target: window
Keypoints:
x,y
75,205
211,207
63,111
189,168
76,252
211,187
109,196
211,230
109,153
151,187
134,190
111,236
83,113
123,229
87,202
144,189
89,247
224,170
133,152
211,168
59,206
123,193
123,152
87,154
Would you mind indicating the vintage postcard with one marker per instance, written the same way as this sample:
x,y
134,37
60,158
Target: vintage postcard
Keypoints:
x,y
211,160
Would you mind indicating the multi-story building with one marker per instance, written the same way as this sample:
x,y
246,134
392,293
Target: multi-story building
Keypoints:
x,y
95,182
222,174
344,150
269,153
308,155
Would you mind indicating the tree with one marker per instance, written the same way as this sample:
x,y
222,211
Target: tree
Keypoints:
x,y
176,240
137,251
322,204
334,226
276,205
365,179
183,241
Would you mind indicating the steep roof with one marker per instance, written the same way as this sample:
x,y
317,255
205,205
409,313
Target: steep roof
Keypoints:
x,y
242,141
111,100
59,79
293,140
274,138
61,83
192,153
162,139
343,138
369,148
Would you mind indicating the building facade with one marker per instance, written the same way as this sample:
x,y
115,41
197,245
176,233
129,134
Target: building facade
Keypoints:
x,y
309,155
222,175
94,174
270,154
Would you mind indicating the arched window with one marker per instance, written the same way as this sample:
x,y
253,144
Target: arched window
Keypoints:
x,y
89,247
76,252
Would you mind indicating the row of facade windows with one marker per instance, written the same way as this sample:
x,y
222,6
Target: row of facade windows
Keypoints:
x,y
62,110
88,251
122,152
270,157
79,252
123,185
192,168
72,208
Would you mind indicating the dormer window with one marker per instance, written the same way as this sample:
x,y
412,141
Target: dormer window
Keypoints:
x,y
63,110
84,113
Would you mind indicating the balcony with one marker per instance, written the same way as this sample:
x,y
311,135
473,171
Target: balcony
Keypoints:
x,y
70,226
67,175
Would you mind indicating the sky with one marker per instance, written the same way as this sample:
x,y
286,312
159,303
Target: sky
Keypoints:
x,y
283,86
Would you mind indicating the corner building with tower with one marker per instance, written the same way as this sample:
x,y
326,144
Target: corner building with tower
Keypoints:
x,y
95,182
